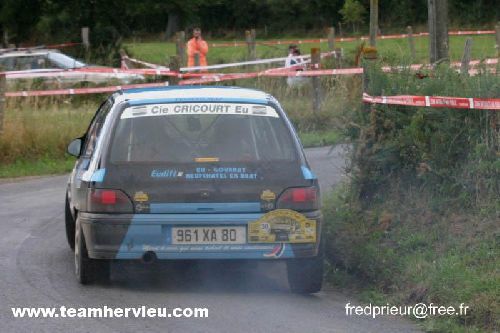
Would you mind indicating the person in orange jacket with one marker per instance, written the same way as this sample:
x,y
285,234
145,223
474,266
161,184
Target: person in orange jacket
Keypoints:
x,y
197,45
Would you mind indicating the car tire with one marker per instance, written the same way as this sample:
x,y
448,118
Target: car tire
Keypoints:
x,y
305,275
84,268
69,224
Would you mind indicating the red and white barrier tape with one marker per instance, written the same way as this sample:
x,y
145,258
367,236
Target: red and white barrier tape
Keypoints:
x,y
285,72
205,78
80,91
140,62
436,101
305,59
156,71
293,72
347,39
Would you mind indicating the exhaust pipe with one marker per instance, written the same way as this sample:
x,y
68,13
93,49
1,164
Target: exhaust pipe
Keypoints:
x,y
149,257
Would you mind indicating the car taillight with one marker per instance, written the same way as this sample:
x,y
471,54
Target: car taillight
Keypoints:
x,y
108,201
299,199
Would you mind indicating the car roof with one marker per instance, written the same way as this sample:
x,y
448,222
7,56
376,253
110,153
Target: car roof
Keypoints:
x,y
192,94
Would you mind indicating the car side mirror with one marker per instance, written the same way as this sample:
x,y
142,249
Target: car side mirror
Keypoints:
x,y
75,147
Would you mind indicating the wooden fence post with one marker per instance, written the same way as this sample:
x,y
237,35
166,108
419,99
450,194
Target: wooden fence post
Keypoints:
x,y
174,66
3,87
411,42
438,30
316,83
464,67
497,30
5,38
86,42
125,61
250,36
180,43
373,22
85,37
340,29
495,119
331,39
368,60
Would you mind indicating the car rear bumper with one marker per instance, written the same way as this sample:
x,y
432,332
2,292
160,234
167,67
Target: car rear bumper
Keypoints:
x,y
130,236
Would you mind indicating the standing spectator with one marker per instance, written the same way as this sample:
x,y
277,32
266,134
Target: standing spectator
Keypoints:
x,y
197,46
290,57
294,62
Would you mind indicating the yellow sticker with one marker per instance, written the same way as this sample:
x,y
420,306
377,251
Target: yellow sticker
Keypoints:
x,y
282,226
141,196
206,159
268,195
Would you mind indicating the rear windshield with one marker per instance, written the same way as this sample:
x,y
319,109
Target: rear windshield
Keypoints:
x,y
201,132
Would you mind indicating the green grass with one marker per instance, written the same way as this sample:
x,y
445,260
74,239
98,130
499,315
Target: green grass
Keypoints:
x,y
158,52
36,134
42,166
319,138
407,254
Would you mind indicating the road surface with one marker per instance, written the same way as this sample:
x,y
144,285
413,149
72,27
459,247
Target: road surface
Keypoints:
x,y
36,270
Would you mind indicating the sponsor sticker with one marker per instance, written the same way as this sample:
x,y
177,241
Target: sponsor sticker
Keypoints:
x,y
268,195
267,200
201,108
212,173
284,226
141,196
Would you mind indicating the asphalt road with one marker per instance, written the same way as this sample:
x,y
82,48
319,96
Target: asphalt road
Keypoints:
x,y
36,270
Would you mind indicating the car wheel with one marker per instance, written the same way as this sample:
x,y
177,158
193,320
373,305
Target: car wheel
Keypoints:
x,y
70,225
305,276
84,269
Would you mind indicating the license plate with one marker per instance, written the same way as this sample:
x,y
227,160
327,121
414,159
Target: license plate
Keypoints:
x,y
209,235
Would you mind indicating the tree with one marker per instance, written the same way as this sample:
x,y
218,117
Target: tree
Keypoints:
x,y
19,17
353,13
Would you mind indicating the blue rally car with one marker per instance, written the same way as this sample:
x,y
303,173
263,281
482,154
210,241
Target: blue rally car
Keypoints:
x,y
193,173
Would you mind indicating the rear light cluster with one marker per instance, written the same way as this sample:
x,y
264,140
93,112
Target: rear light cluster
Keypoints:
x,y
108,201
299,199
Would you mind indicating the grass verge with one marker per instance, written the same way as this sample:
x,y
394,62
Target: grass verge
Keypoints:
x,y
418,221
319,138
43,166
403,251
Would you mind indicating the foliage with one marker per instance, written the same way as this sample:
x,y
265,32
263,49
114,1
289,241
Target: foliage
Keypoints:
x,y
43,21
352,13
418,219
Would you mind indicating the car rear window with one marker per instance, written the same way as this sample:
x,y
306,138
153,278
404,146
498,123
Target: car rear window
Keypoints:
x,y
201,132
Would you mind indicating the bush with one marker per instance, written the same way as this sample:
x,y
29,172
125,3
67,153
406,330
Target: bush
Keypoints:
x,y
418,219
